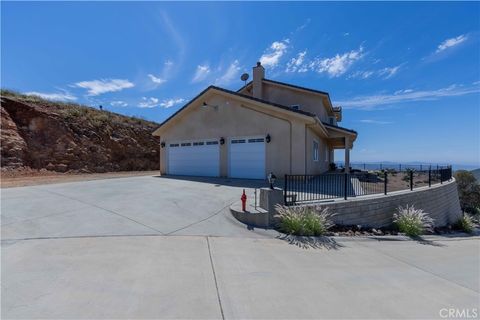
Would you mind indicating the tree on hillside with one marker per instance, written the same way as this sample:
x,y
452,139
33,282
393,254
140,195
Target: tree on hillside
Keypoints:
x,y
468,190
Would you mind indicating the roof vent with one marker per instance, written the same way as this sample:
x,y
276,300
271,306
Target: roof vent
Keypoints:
x,y
295,107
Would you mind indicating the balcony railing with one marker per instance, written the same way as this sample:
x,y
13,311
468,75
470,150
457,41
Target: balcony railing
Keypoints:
x,y
329,186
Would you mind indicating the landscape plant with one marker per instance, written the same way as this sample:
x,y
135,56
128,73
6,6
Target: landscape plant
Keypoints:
x,y
411,221
468,190
303,220
466,223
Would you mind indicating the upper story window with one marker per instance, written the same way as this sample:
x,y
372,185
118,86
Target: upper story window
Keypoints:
x,y
332,121
315,150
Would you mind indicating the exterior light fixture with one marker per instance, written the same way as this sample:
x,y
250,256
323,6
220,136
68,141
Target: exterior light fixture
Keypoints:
x,y
222,140
271,179
268,138
162,144
206,105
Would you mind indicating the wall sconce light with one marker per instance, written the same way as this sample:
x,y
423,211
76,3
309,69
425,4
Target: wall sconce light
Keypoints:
x,y
162,144
268,138
206,105
222,140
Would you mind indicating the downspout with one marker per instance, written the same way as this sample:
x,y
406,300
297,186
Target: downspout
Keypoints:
x,y
290,127
305,152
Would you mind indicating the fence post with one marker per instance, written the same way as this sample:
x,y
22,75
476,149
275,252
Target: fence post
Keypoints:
x,y
345,186
385,183
285,189
430,177
411,179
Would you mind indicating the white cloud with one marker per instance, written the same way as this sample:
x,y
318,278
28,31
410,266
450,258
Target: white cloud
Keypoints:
x,y
371,121
297,64
65,96
96,87
171,102
230,74
386,73
338,65
389,72
156,80
409,95
361,74
201,73
452,42
118,103
272,55
148,102
155,102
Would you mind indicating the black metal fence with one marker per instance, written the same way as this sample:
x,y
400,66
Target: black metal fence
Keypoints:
x,y
310,188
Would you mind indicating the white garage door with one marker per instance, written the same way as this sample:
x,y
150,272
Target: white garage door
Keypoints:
x,y
196,158
247,158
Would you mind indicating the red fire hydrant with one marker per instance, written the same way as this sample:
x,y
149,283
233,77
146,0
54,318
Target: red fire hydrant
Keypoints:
x,y
244,201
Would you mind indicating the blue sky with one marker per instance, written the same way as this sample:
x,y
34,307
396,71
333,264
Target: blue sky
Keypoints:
x,y
406,74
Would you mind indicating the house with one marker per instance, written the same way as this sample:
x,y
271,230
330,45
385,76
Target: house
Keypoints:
x,y
266,126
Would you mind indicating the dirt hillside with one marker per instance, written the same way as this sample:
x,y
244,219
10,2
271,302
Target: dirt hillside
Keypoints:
x,y
64,137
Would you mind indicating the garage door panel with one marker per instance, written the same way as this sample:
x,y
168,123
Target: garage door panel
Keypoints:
x,y
200,160
247,158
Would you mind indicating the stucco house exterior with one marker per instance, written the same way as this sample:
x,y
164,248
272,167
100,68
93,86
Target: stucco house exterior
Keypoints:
x,y
266,126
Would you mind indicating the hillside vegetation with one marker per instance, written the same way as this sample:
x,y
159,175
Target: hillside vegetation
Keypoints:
x,y
476,174
67,137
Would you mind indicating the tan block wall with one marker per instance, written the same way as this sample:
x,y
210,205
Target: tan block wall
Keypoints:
x,y
440,201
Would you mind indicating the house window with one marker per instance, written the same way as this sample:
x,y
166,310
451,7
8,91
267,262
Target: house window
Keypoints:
x,y
315,150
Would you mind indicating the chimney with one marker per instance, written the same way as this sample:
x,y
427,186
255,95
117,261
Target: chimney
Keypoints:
x,y
258,75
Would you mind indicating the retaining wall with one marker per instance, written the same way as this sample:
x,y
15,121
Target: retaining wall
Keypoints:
x,y
440,201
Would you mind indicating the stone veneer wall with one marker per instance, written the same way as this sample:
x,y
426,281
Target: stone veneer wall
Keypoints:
x,y
440,201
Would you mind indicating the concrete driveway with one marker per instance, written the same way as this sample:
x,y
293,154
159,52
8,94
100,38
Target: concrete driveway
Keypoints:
x,y
125,206
149,247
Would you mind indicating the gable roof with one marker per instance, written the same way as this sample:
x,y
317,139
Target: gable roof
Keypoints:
x,y
299,112
305,113
297,87
323,93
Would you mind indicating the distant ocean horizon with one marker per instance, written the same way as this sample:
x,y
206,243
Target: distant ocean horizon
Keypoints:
x,y
392,164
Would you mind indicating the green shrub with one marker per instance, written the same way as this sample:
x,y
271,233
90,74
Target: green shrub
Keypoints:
x,y
466,223
413,222
468,189
303,221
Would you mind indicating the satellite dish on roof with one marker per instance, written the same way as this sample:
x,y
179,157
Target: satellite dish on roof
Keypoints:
x,y
244,77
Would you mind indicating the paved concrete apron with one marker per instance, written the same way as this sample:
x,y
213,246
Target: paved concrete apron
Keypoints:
x,y
136,248
235,278
124,206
